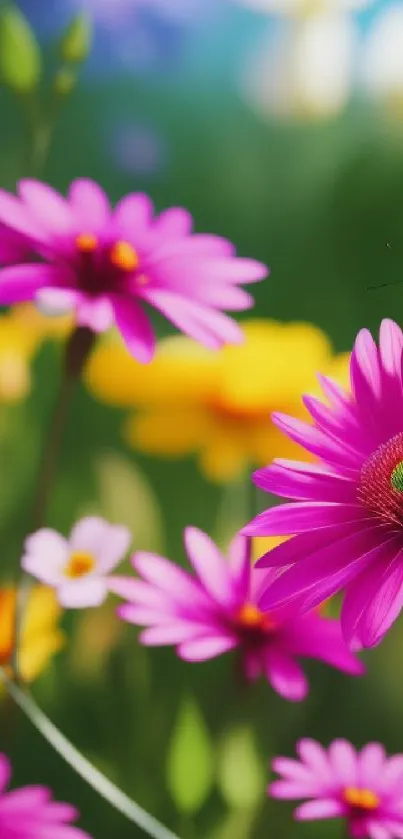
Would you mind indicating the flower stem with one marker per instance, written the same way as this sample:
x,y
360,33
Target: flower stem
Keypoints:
x,y
77,350
102,785
78,347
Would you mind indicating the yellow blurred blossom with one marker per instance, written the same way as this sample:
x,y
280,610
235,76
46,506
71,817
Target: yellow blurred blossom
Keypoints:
x,y
262,544
22,331
41,636
218,405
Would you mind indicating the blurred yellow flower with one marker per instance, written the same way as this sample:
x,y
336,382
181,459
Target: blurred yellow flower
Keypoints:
x,y
41,636
262,544
22,331
218,405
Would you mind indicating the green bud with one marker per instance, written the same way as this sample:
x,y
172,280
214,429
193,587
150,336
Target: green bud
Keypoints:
x,y
20,56
64,81
76,41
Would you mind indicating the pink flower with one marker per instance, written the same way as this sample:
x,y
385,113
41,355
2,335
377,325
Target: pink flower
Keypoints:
x,y
365,788
219,610
105,263
78,567
346,511
30,812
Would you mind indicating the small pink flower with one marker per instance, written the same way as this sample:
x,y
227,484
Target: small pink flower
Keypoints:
x,y
219,610
78,567
31,813
106,263
365,788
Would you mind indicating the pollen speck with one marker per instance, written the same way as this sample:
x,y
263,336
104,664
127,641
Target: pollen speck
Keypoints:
x,y
363,799
123,256
86,242
250,617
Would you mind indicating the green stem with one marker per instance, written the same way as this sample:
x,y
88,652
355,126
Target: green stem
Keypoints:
x,y
77,349
89,773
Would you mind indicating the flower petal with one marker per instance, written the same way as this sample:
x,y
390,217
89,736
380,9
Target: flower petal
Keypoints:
x,y
210,328
84,593
107,542
210,565
305,482
135,327
303,516
344,762
323,808
5,772
335,565
385,607
285,676
205,648
47,206
96,313
21,282
90,205
46,553
15,216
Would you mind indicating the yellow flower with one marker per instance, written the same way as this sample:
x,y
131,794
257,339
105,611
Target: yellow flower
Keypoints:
x,y
218,405
41,637
22,330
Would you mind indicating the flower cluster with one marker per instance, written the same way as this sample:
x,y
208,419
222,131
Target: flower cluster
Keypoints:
x,y
340,531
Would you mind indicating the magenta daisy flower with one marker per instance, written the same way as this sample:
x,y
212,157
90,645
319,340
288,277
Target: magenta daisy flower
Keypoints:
x,y
365,788
347,510
31,813
106,263
219,610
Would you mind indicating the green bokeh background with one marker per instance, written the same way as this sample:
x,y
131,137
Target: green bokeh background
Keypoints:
x,y
322,205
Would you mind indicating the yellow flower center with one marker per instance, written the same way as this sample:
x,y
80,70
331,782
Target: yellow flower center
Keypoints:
x,y
250,617
80,564
86,243
122,255
363,799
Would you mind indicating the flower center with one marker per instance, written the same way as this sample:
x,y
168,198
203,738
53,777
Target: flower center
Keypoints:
x,y
361,799
122,255
249,617
381,481
80,564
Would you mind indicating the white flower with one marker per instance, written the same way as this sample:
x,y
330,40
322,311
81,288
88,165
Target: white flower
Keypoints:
x,y
77,567
383,56
305,69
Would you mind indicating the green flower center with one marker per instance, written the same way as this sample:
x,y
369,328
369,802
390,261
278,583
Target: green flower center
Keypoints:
x,y
396,478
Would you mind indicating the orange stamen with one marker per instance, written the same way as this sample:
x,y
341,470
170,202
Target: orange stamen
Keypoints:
x,y
86,242
250,617
123,256
79,565
364,799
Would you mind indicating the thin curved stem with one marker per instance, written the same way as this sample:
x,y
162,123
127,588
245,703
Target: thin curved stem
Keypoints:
x,y
102,785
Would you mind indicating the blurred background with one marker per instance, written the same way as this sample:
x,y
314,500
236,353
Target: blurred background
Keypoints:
x,y
279,124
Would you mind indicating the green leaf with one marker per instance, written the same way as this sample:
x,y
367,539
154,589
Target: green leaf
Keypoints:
x,y
126,497
20,56
75,44
241,775
190,764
